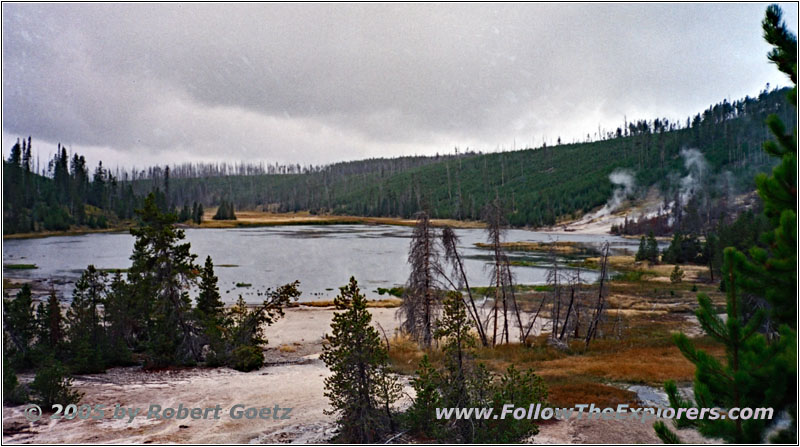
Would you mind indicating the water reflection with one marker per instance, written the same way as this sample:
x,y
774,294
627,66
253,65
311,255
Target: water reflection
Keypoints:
x,y
321,257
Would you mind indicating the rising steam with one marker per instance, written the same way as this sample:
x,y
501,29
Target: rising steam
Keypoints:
x,y
696,164
624,186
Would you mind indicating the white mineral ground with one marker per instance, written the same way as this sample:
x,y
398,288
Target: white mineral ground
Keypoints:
x,y
293,377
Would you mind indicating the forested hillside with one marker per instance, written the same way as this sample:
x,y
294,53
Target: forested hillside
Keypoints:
x,y
537,186
63,196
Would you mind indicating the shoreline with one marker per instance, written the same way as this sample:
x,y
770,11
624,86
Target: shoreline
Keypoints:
x,y
255,219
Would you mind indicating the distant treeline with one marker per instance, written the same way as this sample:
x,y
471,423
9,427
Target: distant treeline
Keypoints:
x,y
536,186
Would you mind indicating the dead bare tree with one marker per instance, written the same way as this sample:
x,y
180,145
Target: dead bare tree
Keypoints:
x,y
421,300
591,332
450,243
500,273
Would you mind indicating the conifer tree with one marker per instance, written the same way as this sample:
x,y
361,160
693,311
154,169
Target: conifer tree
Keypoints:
x,y
86,333
652,248
160,276
756,372
19,324
13,392
243,328
358,360
772,271
760,369
120,321
421,415
199,217
209,303
53,385
641,253
50,323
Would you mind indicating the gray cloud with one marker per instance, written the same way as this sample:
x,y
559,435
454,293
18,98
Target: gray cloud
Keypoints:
x,y
314,83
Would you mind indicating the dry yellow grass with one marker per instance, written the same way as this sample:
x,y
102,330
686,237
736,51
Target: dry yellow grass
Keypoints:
x,y
287,348
652,365
557,246
264,218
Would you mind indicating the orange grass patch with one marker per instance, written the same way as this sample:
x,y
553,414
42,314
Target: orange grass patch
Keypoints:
x,y
647,364
570,394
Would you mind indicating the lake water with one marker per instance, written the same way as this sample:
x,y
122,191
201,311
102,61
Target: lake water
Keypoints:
x,y
322,257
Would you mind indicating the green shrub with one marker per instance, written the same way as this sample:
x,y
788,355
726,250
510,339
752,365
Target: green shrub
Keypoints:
x,y
677,275
421,416
52,385
247,358
13,392
518,389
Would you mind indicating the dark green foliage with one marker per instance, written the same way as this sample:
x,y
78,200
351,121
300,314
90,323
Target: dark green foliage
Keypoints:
x,y
247,358
209,302
676,275
185,213
742,233
225,211
772,270
521,390
357,388
120,315
665,434
684,249
87,341
50,324
197,214
537,186
756,372
19,324
160,276
243,326
462,384
421,415
393,291
648,249
13,392
760,369
52,385
57,198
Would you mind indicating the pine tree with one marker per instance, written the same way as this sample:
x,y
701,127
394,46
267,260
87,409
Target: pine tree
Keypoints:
x,y
243,328
53,385
209,302
212,318
421,415
760,369
358,360
756,372
161,274
13,392
641,253
120,320
50,323
652,248
86,333
198,218
772,272
19,324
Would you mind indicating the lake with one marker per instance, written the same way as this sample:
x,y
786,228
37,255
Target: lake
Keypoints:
x,y
322,257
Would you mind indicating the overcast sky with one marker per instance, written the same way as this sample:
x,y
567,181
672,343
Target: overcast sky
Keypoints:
x,y
142,84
